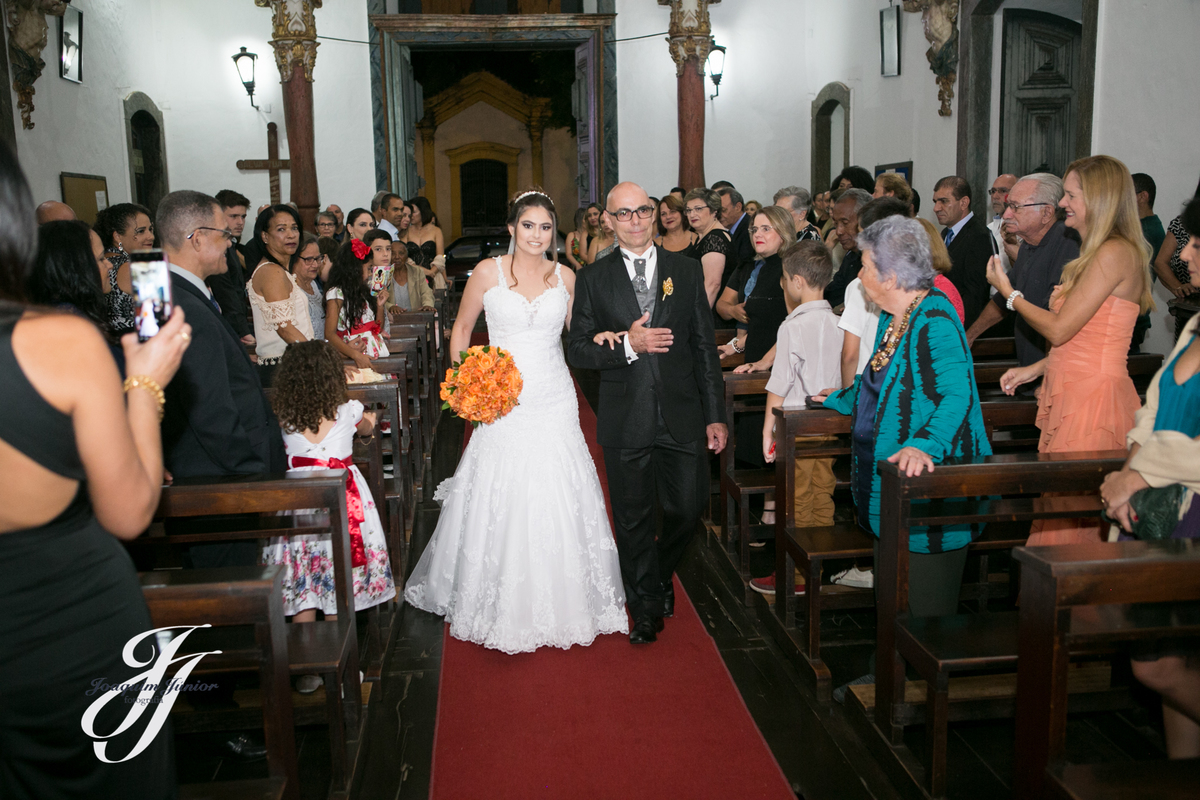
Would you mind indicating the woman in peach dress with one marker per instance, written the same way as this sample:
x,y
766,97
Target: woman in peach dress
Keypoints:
x,y
1087,400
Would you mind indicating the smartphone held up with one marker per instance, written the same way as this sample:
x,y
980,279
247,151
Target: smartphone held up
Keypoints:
x,y
153,301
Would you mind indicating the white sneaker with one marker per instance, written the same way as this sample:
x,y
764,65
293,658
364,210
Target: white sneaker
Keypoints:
x,y
307,684
861,578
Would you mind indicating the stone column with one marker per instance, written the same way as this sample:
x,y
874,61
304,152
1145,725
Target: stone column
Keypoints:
x,y
295,43
428,131
690,38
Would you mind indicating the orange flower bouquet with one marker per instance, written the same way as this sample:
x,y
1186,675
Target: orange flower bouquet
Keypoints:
x,y
484,386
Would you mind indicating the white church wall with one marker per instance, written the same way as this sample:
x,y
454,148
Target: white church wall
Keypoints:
x,y
1144,114
781,53
179,55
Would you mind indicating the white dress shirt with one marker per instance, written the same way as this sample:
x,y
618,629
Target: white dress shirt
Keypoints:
x,y
651,256
390,229
958,226
996,226
192,279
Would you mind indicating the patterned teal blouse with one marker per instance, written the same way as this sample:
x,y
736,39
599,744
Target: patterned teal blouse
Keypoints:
x,y
929,401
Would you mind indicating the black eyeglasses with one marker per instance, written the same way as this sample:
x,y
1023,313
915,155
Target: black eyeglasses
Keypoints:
x,y
311,260
1014,206
624,214
228,234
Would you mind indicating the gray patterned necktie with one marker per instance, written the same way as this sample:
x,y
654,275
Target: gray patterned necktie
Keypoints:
x,y
639,280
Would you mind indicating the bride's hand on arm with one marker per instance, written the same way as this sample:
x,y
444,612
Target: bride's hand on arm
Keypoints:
x,y
609,338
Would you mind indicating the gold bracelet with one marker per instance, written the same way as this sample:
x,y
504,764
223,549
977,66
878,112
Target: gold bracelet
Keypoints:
x,y
150,385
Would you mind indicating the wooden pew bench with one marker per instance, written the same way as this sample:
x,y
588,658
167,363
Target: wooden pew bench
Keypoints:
x,y
236,596
808,549
326,648
938,648
1075,597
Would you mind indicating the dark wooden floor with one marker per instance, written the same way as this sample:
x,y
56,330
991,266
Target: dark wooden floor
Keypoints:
x,y
815,746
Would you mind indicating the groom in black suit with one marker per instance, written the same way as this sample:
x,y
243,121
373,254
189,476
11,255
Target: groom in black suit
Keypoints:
x,y
660,399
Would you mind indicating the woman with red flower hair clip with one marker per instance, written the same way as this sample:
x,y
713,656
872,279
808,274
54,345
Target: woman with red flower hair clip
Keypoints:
x,y
350,310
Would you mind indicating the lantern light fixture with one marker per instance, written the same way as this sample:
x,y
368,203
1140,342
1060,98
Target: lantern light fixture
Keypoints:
x,y
245,63
716,67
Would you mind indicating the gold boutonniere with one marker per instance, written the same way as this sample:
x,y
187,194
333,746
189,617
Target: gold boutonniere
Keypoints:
x,y
668,288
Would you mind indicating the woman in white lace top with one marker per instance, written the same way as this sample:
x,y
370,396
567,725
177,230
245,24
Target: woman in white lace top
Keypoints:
x,y
278,304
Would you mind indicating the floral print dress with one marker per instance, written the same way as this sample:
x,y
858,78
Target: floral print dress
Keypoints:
x,y
308,558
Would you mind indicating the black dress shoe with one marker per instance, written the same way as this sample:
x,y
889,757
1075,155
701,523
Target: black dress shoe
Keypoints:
x,y
243,747
669,599
645,630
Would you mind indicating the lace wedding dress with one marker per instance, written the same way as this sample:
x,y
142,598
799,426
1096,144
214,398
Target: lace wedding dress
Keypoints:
x,y
523,556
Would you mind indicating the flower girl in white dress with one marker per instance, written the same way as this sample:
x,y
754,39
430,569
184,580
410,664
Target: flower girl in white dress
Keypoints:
x,y
319,424
523,555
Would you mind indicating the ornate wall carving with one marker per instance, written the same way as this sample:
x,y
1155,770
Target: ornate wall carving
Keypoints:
x,y
295,32
690,33
940,18
27,35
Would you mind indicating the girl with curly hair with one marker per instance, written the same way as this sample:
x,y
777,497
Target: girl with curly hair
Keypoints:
x,y
350,310
319,422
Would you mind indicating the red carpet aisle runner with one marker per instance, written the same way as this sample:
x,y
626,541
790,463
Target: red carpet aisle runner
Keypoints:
x,y
605,722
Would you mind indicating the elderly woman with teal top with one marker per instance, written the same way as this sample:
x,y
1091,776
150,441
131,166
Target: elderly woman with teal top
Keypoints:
x,y
915,404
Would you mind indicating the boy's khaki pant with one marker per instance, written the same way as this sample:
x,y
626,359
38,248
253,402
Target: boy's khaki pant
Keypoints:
x,y
814,492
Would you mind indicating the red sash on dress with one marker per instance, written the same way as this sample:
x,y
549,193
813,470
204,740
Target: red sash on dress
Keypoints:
x,y
354,505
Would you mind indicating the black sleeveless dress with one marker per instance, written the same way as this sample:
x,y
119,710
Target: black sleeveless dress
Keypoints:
x,y
423,254
71,601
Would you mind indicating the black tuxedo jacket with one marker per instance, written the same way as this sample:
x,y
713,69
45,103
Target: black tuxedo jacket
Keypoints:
x,y
740,239
969,254
229,289
683,384
217,420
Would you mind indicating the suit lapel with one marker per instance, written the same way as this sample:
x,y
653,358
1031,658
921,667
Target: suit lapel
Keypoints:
x,y
185,285
662,274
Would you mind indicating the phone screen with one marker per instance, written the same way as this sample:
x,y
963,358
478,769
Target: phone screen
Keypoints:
x,y
152,296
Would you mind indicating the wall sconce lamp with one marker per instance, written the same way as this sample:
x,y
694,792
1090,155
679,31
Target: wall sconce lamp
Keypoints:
x,y
245,66
716,67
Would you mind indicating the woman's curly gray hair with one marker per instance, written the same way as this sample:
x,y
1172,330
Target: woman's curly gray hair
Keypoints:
x,y
900,248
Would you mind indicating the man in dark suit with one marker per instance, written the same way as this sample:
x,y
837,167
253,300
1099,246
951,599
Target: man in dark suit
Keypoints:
x,y
217,421
969,242
229,286
660,399
733,217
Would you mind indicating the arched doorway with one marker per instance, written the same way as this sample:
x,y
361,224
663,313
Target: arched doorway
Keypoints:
x,y
147,151
830,134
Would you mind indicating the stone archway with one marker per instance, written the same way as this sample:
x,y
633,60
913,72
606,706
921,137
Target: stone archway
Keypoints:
x,y
146,144
829,99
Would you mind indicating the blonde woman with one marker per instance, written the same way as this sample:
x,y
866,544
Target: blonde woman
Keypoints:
x,y
1087,400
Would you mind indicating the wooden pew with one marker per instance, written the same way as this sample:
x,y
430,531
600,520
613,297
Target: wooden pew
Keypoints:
x,y
237,596
327,648
938,647
994,348
1058,584
1141,370
808,549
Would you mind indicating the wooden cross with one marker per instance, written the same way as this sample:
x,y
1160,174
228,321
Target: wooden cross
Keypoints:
x,y
272,163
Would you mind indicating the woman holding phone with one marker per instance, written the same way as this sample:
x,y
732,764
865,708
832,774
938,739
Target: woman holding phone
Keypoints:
x,y
81,468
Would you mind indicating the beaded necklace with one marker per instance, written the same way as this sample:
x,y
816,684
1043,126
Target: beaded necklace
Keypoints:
x,y
893,335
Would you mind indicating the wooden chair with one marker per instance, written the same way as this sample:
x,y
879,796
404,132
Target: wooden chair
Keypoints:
x,y
328,648
1000,347
738,485
1074,597
237,596
807,549
958,493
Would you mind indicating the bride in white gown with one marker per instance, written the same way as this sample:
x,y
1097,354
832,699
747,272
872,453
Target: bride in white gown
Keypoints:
x,y
523,555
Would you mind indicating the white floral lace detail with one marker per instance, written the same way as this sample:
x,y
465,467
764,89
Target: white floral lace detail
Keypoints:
x,y
523,555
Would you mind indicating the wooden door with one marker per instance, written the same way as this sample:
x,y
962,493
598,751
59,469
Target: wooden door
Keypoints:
x,y
587,119
406,106
1039,84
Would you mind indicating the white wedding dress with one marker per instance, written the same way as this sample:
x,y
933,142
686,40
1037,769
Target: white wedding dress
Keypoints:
x,y
523,555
